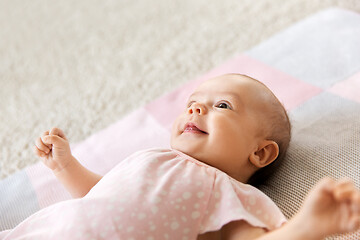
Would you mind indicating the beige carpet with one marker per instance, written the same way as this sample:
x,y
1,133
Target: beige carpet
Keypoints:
x,y
82,65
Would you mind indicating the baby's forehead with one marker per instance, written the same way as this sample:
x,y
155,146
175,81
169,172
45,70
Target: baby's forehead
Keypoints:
x,y
232,84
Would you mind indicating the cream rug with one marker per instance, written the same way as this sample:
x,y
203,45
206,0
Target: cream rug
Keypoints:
x,y
82,65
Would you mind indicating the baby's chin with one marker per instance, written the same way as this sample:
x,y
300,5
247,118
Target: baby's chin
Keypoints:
x,y
194,147
188,150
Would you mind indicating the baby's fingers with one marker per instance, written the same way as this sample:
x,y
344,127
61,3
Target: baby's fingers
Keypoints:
x,y
38,152
45,134
53,140
354,224
58,132
345,190
41,147
355,204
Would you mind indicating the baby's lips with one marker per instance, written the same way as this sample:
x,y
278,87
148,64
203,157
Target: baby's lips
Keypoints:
x,y
189,127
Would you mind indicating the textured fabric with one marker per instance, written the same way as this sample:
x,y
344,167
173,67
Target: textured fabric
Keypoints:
x,y
17,186
154,194
326,137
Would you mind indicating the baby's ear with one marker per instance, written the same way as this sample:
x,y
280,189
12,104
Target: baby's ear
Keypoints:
x,y
266,153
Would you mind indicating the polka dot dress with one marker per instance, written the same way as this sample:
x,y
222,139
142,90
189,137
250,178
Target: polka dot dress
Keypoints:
x,y
154,194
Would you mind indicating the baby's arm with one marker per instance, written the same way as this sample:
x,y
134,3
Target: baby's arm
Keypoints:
x,y
332,207
54,150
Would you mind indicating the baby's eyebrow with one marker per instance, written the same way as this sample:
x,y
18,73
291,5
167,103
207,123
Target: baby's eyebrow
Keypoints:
x,y
232,95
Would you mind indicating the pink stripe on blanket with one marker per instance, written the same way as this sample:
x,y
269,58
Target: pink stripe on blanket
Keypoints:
x,y
136,131
291,91
348,88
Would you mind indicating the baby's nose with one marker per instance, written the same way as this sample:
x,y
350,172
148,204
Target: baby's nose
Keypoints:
x,y
197,108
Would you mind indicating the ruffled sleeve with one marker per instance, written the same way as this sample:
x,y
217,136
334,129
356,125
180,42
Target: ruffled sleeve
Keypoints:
x,y
231,200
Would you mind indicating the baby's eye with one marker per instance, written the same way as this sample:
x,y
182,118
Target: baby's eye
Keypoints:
x,y
223,105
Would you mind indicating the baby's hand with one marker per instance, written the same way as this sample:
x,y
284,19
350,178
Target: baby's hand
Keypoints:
x,y
53,149
332,207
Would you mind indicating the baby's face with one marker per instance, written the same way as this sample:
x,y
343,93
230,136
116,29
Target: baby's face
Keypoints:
x,y
220,125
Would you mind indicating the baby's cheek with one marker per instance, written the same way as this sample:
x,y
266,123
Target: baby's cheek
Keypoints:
x,y
175,132
227,143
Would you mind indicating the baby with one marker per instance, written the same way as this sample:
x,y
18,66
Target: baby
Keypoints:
x,y
233,132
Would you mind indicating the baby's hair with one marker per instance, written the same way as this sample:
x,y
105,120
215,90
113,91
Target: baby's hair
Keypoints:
x,y
279,131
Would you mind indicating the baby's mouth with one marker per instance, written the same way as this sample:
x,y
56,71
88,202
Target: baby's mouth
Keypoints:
x,y
192,128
